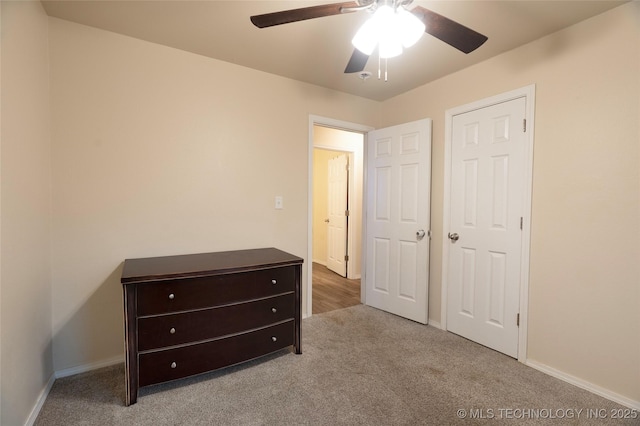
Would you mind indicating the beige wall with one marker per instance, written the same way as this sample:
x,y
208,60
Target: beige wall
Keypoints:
x,y
157,151
25,189
585,272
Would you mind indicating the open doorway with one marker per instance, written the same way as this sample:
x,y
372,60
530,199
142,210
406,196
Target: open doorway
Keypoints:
x,y
336,249
334,286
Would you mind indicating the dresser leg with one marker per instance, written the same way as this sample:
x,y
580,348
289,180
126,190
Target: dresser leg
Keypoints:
x,y
132,397
132,394
297,341
131,385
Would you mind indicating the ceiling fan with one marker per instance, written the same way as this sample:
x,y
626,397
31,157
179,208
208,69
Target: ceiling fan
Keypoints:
x,y
457,35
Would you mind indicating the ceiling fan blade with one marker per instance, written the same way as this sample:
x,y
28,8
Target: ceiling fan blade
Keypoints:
x,y
357,62
294,15
455,34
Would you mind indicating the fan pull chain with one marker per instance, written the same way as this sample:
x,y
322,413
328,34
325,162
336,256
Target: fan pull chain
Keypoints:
x,y
386,62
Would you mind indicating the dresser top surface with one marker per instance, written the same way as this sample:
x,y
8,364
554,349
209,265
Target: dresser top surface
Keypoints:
x,y
203,264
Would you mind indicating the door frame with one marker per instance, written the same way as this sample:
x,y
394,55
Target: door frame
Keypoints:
x,y
315,120
528,92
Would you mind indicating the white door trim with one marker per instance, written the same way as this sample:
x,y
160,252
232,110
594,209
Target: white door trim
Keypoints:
x,y
342,125
528,92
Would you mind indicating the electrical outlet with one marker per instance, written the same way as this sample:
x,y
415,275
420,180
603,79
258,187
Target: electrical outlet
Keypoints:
x,y
279,205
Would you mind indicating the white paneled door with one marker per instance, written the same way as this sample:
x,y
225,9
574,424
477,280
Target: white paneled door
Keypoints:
x,y
398,219
337,204
485,235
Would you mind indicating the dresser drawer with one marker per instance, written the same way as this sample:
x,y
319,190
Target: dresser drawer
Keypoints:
x,y
174,329
203,292
175,363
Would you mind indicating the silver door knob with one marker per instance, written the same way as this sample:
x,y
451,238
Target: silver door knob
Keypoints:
x,y
420,234
454,237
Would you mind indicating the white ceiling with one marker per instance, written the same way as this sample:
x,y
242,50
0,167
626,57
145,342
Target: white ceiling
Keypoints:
x,y
316,51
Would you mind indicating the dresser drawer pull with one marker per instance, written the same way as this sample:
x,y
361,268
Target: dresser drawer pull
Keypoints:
x,y
274,282
174,365
172,331
274,338
274,310
172,296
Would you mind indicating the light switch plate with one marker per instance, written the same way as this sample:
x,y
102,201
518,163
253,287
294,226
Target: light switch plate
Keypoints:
x,y
279,205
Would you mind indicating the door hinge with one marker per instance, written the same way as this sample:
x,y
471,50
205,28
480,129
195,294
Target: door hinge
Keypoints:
x,y
521,223
346,212
524,124
346,257
518,320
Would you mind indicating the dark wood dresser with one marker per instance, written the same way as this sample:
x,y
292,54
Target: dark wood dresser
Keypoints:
x,y
190,314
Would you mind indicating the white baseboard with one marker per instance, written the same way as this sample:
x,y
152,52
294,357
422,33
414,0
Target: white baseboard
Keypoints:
x,y
583,384
320,262
89,367
40,401
65,373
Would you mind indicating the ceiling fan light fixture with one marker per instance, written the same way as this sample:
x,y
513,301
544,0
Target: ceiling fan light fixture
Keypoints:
x,y
370,33
409,27
390,29
389,47
366,38
389,41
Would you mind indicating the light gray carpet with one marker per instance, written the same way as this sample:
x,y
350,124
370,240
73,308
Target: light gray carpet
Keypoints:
x,y
359,366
